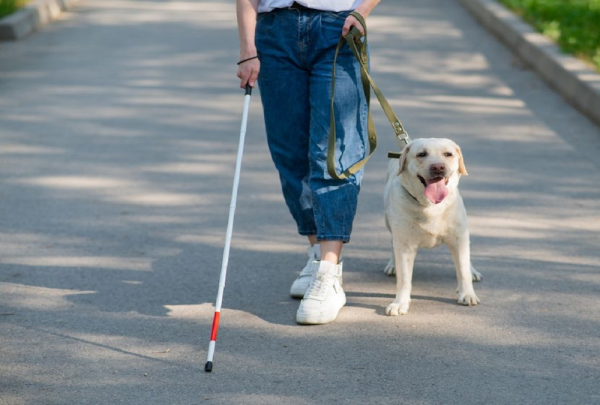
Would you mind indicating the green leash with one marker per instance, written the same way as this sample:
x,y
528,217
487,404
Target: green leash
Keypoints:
x,y
359,49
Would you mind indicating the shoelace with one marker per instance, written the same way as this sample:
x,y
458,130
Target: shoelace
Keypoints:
x,y
318,288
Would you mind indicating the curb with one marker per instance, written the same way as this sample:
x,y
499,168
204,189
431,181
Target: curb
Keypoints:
x,y
32,17
577,83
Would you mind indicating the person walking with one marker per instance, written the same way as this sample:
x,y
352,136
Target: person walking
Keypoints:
x,y
289,48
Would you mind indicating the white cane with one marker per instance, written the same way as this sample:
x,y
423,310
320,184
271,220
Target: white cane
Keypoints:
x,y
236,182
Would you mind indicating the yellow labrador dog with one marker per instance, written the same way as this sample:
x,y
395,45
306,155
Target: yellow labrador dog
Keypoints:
x,y
423,209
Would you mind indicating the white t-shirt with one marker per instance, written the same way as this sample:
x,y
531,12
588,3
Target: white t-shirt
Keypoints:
x,y
325,5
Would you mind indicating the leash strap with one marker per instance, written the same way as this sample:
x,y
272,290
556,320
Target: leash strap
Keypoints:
x,y
355,41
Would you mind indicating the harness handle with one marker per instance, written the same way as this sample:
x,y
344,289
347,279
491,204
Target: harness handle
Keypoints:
x,y
358,45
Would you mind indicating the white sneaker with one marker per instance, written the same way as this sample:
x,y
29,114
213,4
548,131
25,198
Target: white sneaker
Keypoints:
x,y
324,297
300,285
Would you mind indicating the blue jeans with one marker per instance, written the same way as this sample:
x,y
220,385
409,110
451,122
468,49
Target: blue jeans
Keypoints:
x,y
296,50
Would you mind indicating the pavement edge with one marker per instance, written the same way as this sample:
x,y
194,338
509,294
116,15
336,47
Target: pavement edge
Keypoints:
x,y
575,81
32,17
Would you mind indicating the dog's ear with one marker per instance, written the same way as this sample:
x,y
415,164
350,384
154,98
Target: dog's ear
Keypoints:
x,y
461,163
403,157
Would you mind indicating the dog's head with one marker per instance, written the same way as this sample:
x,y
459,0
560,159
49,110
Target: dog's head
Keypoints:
x,y
432,166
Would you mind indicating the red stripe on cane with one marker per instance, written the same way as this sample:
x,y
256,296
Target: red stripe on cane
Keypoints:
x,y
215,326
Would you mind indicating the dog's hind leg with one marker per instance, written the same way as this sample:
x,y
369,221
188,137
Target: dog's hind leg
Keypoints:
x,y
476,275
390,268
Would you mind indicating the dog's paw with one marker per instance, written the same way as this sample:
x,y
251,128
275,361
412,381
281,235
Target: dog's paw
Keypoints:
x,y
469,299
390,269
476,275
395,309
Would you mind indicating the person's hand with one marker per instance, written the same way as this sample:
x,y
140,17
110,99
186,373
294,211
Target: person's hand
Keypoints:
x,y
248,72
350,22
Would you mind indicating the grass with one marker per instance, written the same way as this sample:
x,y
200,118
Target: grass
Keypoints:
x,y
573,24
10,6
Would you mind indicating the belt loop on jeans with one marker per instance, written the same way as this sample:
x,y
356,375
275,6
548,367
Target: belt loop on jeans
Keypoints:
x,y
296,6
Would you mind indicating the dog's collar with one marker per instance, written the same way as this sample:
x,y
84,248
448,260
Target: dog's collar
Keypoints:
x,y
396,155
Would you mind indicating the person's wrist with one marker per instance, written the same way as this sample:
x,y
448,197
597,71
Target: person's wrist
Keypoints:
x,y
363,13
247,53
247,59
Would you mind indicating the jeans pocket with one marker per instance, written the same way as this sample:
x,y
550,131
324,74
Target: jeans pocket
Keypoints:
x,y
331,26
339,15
264,24
262,16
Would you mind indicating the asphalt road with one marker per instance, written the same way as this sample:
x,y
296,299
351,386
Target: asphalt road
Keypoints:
x,y
118,133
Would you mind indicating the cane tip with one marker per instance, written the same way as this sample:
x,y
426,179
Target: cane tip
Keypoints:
x,y
208,366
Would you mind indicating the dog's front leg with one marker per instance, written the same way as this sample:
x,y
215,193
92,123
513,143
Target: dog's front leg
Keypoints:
x,y
405,260
461,254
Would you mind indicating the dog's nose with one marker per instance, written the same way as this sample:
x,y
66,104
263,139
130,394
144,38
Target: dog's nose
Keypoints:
x,y
437,169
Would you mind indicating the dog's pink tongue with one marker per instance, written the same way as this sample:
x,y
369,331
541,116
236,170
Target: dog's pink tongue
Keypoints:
x,y
436,190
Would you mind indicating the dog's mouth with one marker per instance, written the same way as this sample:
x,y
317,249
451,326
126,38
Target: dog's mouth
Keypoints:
x,y
435,188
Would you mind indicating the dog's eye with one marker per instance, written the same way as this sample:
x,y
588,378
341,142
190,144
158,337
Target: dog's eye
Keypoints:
x,y
448,154
422,154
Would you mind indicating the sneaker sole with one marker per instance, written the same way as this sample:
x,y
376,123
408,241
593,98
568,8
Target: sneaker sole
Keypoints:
x,y
325,317
297,293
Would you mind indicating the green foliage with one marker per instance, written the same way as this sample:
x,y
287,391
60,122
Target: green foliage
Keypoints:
x,y
10,6
573,24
